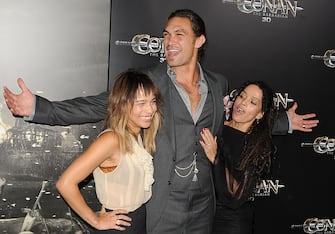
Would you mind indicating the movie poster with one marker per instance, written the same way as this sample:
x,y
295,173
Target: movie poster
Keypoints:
x,y
60,50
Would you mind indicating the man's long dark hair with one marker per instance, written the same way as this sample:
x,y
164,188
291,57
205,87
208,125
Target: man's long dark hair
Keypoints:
x,y
198,26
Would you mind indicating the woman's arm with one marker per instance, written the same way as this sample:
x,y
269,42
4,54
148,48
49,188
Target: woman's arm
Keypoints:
x,y
106,146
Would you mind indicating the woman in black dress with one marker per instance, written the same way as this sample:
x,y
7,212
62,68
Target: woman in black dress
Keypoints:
x,y
243,156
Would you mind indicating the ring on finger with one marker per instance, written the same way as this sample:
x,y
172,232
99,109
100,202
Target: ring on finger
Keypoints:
x,y
118,222
303,126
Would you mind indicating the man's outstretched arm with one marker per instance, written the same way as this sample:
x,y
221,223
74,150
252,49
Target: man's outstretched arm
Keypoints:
x,y
37,109
304,122
290,121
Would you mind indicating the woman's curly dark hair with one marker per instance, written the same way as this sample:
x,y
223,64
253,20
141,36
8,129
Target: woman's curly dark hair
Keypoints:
x,y
258,146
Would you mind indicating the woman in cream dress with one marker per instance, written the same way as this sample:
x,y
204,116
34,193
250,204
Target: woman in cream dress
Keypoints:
x,y
119,159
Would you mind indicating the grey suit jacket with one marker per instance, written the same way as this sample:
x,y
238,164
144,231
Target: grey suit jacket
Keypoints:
x,y
163,158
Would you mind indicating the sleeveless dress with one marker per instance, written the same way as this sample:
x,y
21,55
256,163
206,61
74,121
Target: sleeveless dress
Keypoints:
x,y
128,187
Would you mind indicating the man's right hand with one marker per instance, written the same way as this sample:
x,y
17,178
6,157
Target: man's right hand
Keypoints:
x,y
19,104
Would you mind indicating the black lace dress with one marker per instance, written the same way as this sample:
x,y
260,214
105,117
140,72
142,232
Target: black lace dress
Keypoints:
x,y
234,212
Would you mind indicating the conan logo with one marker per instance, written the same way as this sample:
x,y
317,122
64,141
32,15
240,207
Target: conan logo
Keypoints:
x,y
315,225
282,100
322,145
264,187
328,58
145,44
267,8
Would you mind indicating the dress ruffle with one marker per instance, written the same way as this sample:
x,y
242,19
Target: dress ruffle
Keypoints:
x,y
145,159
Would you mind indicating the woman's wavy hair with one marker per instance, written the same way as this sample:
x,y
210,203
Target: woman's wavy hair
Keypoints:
x,y
258,147
121,100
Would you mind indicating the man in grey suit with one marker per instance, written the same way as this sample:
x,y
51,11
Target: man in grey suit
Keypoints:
x,y
183,198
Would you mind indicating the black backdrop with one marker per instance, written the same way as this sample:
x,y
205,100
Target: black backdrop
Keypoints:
x,y
275,47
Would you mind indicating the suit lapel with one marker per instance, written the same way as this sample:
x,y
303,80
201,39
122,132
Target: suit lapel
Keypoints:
x,y
162,80
216,92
